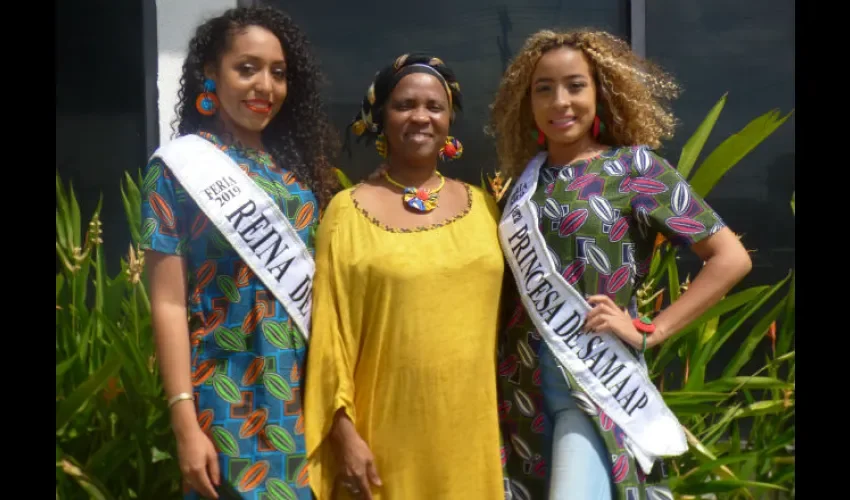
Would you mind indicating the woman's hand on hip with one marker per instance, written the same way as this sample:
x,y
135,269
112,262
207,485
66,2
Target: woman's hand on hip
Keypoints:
x,y
607,317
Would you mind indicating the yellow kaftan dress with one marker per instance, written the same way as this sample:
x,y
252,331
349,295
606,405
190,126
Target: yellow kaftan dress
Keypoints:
x,y
404,338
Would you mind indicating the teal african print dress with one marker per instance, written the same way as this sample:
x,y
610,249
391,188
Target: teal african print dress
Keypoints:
x,y
599,218
247,359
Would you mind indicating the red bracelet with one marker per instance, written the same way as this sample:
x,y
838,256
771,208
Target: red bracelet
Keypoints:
x,y
644,325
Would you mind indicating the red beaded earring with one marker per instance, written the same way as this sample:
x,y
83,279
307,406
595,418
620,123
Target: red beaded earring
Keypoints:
x,y
538,136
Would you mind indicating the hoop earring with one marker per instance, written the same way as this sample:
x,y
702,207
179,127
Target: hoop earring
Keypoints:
x,y
452,150
381,145
207,102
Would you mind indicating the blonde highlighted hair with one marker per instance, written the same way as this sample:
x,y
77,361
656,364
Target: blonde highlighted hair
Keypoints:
x,y
631,90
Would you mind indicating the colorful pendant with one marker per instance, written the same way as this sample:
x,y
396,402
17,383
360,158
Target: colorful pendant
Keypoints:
x,y
422,200
419,199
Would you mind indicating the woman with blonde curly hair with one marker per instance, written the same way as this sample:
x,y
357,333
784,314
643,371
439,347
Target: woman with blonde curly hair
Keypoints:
x,y
576,119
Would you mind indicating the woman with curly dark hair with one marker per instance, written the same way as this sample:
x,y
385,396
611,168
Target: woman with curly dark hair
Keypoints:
x,y
576,118
229,211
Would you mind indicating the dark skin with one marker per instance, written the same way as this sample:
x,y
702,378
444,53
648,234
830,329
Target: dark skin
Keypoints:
x,y
251,87
250,84
416,123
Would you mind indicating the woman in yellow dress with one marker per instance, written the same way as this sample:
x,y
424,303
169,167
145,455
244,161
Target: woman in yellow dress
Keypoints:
x,y
400,398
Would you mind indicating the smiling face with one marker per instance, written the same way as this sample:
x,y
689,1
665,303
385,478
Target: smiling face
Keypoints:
x,y
417,117
563,96
250,80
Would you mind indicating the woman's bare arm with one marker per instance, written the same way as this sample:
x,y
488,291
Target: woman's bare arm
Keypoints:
x,y
168,291
726,263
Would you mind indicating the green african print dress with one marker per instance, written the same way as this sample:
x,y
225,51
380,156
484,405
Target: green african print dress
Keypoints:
x,y
599,219
247,359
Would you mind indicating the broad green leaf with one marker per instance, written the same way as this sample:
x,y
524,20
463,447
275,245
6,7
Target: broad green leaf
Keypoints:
x,y
787,327
710,466
669,255
62,243
721,427
74,215
732,150
707,331
722,486
128,351
158,455
672,398
744,382
130,210
757,335
63,367
109,457
686,408
95,489
692,148
726,329
674,286
727,304
704,455
761,408
733,323
63,216
89,389
60,283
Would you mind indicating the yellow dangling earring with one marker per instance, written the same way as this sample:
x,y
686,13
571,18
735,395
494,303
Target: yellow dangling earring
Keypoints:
x,y
381,145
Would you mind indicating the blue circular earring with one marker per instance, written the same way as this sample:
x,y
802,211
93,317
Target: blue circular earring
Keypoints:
x,y
207,102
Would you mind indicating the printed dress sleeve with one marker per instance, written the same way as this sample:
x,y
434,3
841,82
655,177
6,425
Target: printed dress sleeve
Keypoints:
x,y
163,225
664,202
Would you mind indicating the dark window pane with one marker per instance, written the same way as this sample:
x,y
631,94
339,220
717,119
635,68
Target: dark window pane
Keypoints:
x,y
105,104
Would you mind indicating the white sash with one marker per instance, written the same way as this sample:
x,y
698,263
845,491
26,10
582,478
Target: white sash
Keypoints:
x,y
607,371
250,221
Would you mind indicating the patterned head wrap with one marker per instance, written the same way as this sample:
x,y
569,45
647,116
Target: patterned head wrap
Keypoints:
x,y
368,123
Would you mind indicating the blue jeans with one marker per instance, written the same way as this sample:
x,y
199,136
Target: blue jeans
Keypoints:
x,y
579,467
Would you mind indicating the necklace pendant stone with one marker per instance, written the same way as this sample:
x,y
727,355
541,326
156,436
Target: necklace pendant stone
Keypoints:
x,y
421,200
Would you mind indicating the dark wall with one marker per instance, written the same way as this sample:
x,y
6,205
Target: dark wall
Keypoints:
x,y
106,115
105,104
747,50
475,38
743,48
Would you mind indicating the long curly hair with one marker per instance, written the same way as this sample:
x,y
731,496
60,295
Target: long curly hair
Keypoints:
x,y
300,137
632,91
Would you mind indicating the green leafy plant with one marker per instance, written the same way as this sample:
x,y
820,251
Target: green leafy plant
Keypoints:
x,y
113,438
740,426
